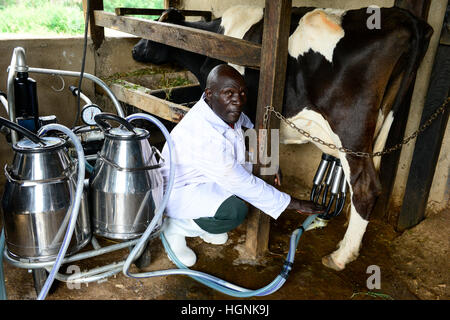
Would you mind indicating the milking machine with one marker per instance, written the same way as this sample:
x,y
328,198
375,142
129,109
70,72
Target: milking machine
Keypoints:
x,y
329,189
41,199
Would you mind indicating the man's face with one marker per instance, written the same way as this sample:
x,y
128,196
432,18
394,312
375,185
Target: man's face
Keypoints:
x,y
227,98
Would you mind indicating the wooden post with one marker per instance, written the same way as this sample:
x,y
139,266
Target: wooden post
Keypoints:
x,y
428,144
277,17
96,33
171,4
389,162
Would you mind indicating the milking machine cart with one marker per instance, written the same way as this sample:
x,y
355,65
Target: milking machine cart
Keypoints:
x,y
51,212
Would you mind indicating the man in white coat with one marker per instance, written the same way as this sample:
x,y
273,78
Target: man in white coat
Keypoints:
x,y
213,181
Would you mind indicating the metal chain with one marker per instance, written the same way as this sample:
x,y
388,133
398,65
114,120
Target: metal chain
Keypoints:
x,y
270,109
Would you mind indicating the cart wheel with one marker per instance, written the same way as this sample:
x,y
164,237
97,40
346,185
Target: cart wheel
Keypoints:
x,y
39,277
145,258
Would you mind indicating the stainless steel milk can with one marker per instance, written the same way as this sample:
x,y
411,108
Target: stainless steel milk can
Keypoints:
x,y
126,185
39,191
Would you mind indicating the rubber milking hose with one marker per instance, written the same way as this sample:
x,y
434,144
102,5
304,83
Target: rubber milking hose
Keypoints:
x,y
27,133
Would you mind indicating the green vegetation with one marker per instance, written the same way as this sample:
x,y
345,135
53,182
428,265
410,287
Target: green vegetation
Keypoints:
x,y
166,82
163,83
373,295
56,17
116,77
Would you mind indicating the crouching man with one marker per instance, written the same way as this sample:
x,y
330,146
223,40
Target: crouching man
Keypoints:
x,y
213,181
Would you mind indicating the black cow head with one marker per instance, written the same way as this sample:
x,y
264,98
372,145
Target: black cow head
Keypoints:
x,y
154,52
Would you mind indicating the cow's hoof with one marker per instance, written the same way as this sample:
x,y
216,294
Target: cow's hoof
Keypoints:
x,y
327,261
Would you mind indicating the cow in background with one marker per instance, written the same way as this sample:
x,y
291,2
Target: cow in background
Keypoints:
x,y
344,84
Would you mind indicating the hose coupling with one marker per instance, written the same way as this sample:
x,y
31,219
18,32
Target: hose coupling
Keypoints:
x,y
287,267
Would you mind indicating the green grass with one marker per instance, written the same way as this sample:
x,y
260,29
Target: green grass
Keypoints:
x,y
57,17
372,294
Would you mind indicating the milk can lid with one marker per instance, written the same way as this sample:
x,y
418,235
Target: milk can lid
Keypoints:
x,y
122,133
26,145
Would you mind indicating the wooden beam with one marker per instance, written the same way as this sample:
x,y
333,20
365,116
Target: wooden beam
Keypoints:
x,y
277,17
428,145
96,33
157,12
141,98
211,44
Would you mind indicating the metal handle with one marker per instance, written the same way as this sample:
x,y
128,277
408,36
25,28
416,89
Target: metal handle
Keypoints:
x,y
66,174
162,160
100,120
27,133
156,150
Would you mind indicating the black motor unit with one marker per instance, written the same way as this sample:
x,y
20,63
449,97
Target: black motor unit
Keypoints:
x,y
26,102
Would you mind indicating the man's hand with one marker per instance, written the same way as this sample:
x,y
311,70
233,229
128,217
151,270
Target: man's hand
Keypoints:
x,y
305,206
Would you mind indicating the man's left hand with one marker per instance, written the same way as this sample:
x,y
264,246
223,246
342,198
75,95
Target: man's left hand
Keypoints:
x,y
305,206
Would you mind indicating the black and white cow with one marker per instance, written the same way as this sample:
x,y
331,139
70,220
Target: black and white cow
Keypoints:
x,y
344,84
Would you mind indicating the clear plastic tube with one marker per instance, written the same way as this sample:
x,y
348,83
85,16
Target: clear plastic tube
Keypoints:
x,y
233,290
3,295
4,103
160,211
91,77
75,207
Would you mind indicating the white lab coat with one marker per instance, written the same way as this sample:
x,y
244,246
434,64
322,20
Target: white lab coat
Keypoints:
x,y
209,160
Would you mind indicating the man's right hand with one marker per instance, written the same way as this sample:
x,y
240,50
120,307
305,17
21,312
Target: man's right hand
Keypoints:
x,y
305,207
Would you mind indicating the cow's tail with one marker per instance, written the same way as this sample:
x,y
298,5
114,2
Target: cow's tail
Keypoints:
x,y
420,37
421,33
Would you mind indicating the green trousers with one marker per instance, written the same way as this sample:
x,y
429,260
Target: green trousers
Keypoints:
x,y
229,215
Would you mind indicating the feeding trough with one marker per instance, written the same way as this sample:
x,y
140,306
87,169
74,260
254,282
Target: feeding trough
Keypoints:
x,y
168,95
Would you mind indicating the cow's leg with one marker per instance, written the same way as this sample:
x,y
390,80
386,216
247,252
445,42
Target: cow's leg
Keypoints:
x,y
364,189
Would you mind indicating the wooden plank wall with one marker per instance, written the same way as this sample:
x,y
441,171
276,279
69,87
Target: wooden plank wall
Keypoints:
x,y
428,144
